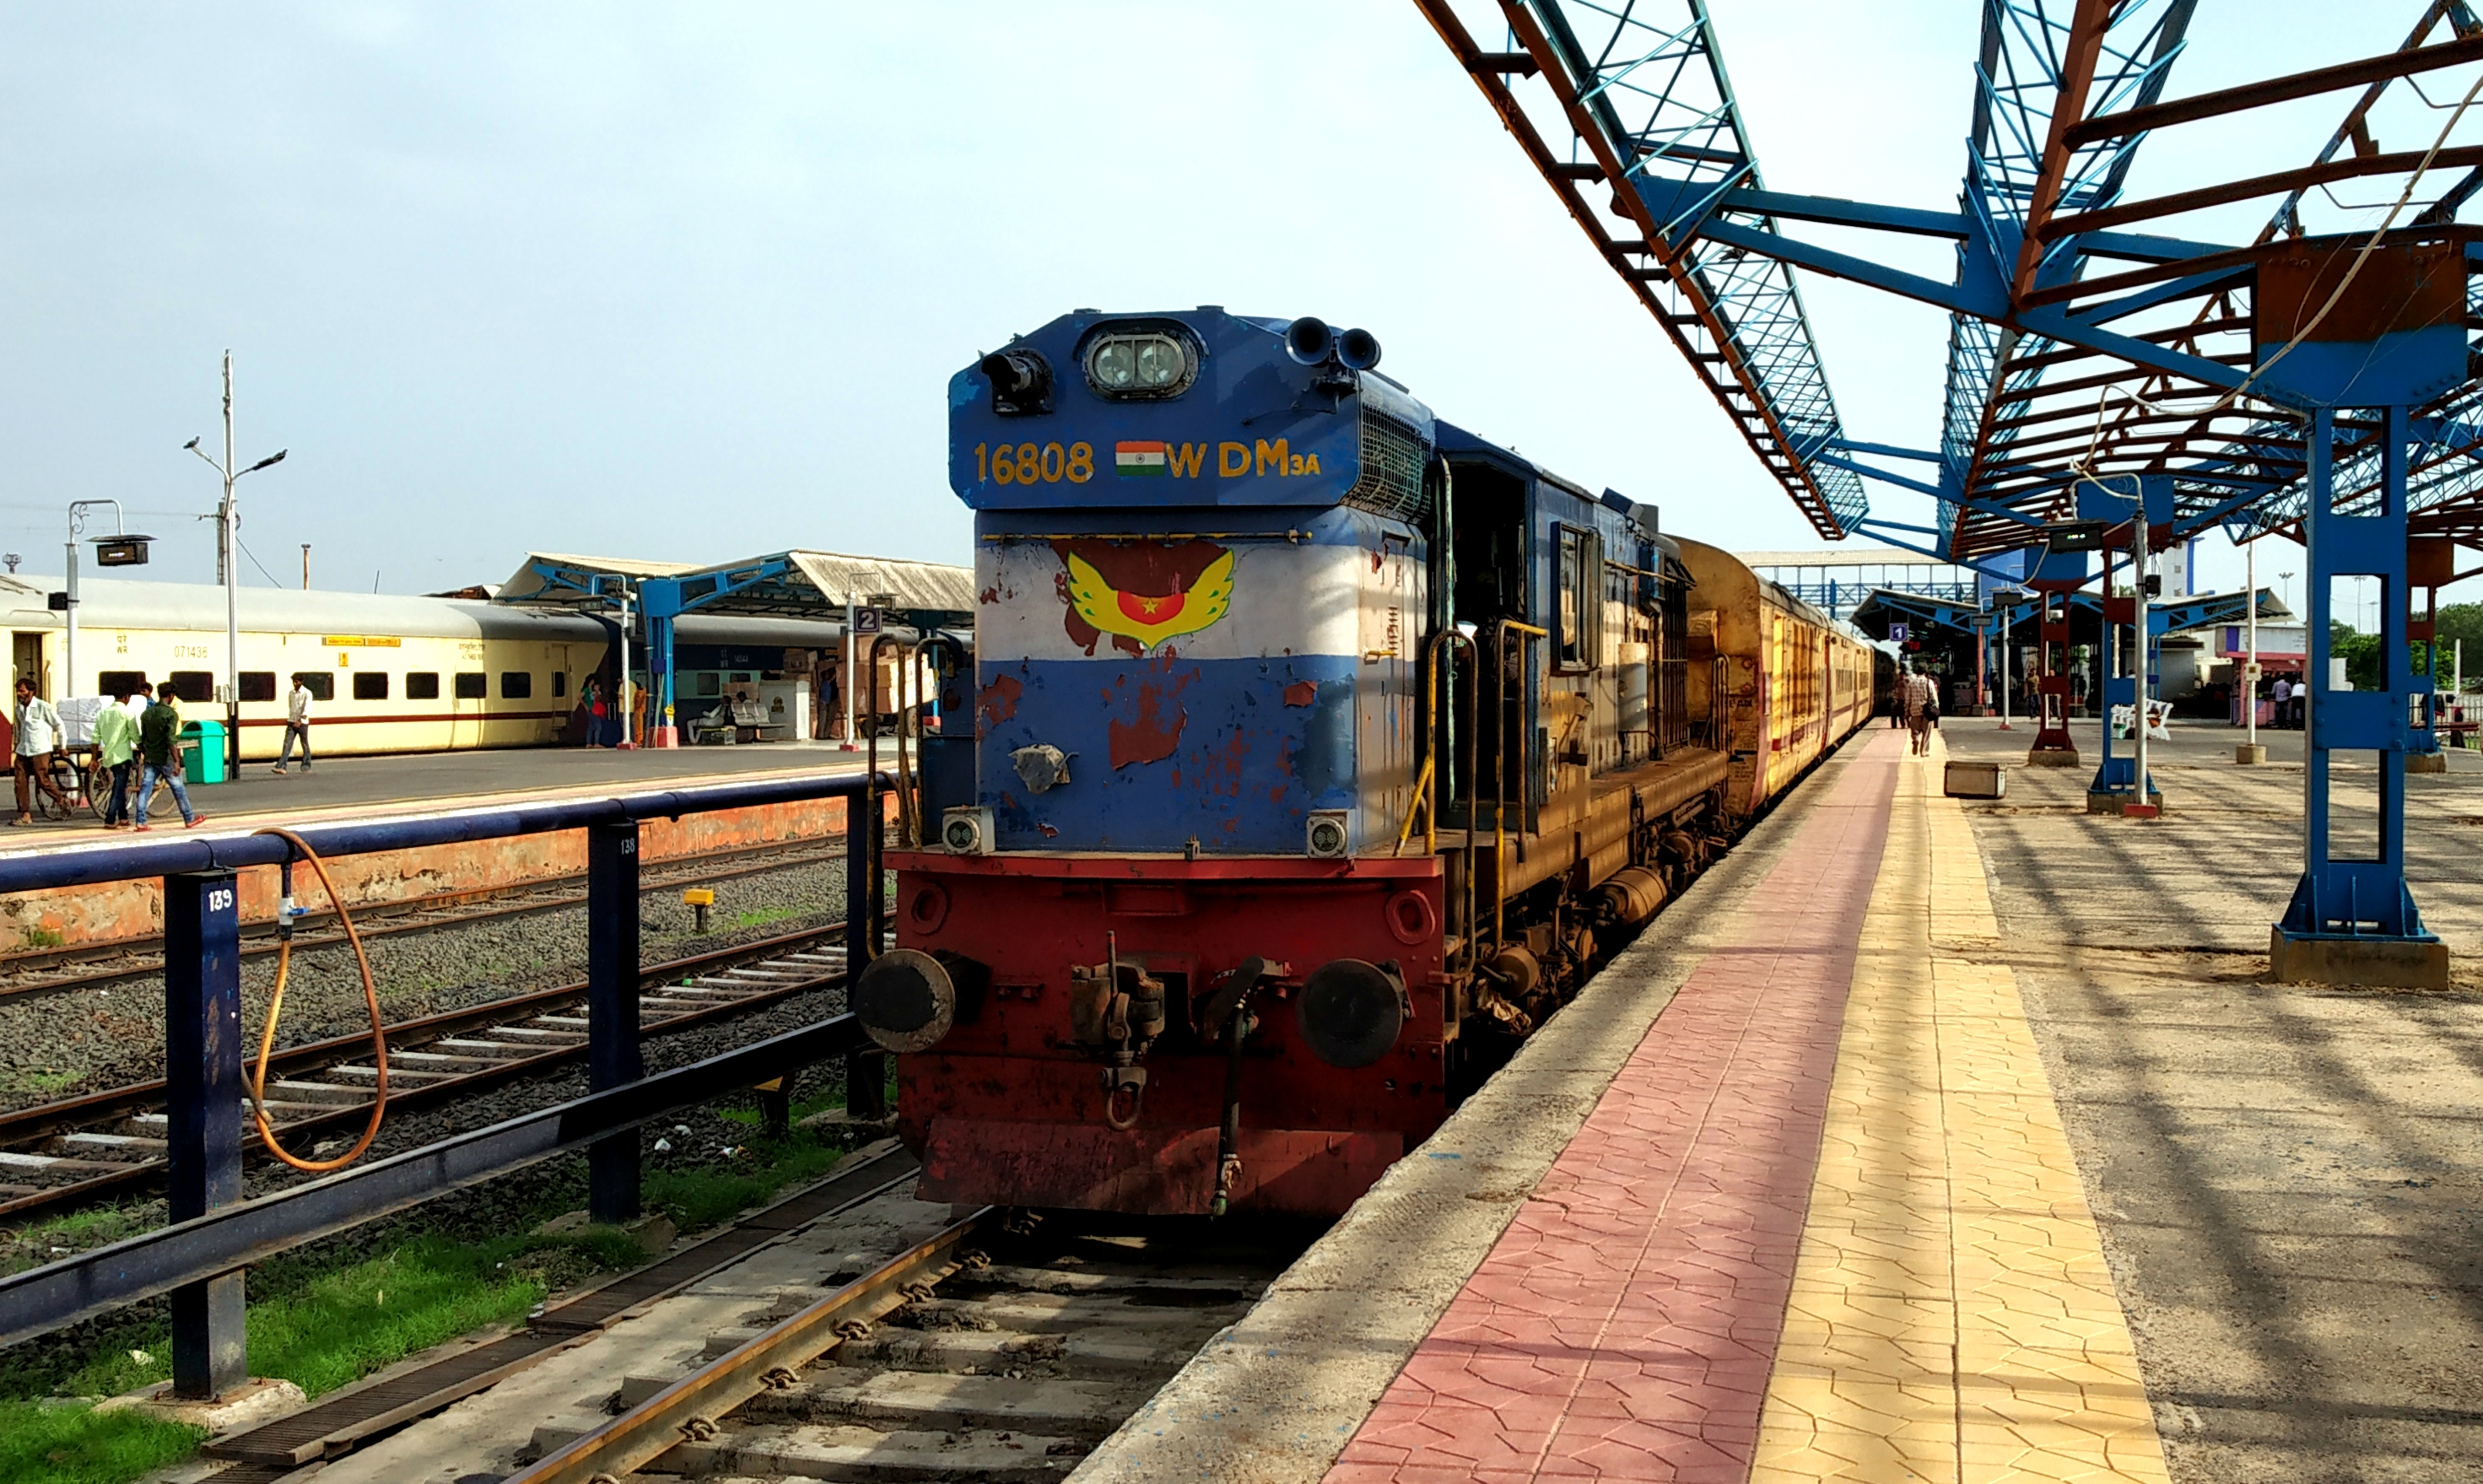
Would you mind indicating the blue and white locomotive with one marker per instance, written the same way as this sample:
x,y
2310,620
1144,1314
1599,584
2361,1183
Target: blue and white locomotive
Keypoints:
x,y
1316,742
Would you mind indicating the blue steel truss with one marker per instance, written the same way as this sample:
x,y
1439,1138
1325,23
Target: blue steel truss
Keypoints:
x,y
2017,173
1649,113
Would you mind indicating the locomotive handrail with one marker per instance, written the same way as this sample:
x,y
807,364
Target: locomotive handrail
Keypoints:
x,y
1442,640
909,825
1503,631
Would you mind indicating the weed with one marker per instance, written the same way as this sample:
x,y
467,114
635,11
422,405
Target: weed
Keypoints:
x,y
41,937
56,1443
758,918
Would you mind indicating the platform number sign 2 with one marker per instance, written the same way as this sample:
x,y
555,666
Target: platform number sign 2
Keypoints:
x,y
866,620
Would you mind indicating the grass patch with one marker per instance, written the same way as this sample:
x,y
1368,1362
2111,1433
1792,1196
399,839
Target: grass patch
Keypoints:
x,y
75,1232
43,938
323,1325
758,918
70,1443
704,1195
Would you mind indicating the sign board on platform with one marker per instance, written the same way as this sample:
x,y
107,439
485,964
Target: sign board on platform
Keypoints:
x,y
866,620
1899,633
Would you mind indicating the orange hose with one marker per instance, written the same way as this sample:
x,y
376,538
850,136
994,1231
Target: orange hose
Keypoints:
x,y
276,1008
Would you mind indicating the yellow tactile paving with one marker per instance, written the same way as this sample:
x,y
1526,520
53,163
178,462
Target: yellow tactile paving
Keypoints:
x,y
1952,1318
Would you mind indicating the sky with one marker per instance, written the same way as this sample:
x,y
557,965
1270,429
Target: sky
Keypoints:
x,y
687,283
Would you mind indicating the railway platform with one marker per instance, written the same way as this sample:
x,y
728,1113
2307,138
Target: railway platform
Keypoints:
x,y
355,785
1922,1139
360,791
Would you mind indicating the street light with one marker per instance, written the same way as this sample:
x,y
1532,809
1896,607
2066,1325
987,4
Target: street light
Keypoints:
x,y
227,527
119,549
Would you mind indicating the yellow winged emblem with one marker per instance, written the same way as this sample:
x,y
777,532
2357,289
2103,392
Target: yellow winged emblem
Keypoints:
x,y
1150,620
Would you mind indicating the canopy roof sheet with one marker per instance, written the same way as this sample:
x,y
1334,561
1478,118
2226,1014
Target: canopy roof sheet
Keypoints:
x,y
818,583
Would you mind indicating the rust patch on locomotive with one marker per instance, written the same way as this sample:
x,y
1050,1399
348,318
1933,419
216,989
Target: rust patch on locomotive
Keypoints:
x,y
1145,736
998,702
1302,693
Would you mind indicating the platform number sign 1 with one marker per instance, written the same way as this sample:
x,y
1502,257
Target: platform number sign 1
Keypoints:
x,y
1899,633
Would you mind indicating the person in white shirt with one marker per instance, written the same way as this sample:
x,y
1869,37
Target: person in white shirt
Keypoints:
x,y
2278,694
296,724
37,737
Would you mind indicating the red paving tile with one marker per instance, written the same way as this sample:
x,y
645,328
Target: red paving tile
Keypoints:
x,y
1625,1324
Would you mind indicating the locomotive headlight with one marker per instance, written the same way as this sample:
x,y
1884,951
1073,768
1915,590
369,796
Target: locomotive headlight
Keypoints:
x,y
1139,365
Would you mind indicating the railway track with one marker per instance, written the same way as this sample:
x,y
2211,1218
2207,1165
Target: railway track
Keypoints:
x,y
60,1154
997,1351
55,969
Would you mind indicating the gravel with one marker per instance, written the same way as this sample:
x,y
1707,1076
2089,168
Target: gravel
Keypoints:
x,y
86,1041
65,1043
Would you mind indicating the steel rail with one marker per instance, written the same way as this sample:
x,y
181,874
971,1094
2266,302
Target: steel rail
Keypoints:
x,y
691,1407
111,963
47,1120
82,1286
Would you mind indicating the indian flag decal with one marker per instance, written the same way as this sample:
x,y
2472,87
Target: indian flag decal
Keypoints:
x,y
1138,459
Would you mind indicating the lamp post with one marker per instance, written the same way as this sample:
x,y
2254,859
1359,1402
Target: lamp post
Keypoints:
x,y
227,525
68,618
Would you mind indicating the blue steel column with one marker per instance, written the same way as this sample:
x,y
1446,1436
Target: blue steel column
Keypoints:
x,y
202,1104
2357,898
866,892
612,1052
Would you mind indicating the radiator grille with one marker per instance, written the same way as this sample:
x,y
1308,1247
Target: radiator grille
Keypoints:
x,y
1394,455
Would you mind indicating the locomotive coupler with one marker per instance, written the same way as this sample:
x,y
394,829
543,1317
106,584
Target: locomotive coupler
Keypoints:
x,y
1118,1009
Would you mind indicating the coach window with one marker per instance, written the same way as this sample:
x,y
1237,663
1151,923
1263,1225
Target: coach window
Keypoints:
x,y
559,683
422,685
471,685
258,685
370,685
121,682
517,684
321,684
191,685
710,683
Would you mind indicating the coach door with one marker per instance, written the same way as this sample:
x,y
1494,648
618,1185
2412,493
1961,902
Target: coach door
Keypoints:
x,y
30,662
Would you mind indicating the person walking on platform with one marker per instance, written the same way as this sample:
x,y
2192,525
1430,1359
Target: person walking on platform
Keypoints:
x,y
1914,698
115,743
296,724
38,736
159,751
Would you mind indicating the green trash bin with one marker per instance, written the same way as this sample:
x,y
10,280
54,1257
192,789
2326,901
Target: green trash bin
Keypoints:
x,y
202,753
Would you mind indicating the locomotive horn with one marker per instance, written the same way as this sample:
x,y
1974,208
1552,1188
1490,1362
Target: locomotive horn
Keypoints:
x,y
1358,349
1349,1012
1309,340
1021,380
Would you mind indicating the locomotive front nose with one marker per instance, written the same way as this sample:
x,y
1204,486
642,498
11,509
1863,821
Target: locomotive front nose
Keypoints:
x,y
1350,1013
906,1000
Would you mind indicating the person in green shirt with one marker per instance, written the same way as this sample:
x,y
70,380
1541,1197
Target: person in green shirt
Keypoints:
x,y
115,743
159,750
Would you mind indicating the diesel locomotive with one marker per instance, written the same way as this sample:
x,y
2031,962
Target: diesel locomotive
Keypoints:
x,y
1321,749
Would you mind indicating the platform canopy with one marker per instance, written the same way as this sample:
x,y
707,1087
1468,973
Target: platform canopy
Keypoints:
x,y
797,584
